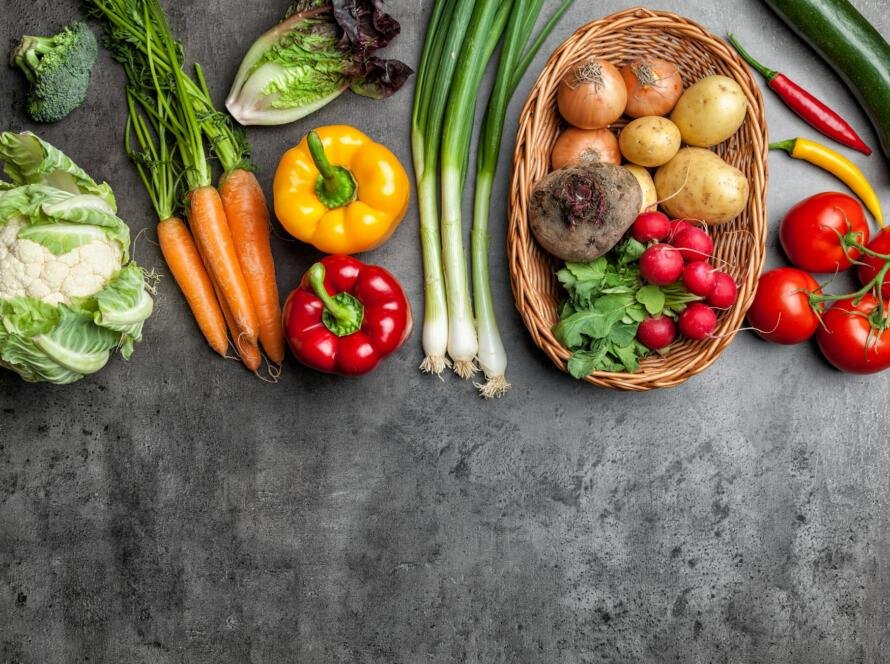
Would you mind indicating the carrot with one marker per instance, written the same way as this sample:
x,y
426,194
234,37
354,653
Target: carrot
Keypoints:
x,y
184,261
248,352
248,217
208,222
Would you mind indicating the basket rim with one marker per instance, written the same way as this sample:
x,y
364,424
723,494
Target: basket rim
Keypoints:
x,y
704,353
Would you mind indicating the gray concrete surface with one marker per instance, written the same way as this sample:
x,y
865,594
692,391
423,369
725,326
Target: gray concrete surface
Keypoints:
x,y
175,509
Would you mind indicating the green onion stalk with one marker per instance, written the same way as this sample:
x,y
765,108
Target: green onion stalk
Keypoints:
x,y
441,52
486,26
516,56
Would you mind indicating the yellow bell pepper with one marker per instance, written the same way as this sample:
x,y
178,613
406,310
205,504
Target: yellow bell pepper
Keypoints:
x,y
340,191
839,166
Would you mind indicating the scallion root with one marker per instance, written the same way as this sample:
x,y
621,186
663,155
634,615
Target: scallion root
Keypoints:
x,y
466,369
495,388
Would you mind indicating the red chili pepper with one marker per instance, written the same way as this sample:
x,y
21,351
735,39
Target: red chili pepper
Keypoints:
x,y
811,110
346,316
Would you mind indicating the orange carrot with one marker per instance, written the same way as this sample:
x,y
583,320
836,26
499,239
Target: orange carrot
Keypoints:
x,y
248,217
208,222
188,270
248,351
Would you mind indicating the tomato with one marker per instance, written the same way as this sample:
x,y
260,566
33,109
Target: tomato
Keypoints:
x,y
781,311
809,232
871,267
848,340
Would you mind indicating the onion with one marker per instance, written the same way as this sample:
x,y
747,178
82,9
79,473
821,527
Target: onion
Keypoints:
x,y
592,96
578,147
653,87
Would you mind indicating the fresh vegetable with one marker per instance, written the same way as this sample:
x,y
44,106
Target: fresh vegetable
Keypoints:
x,y
647,187
185,264
869,266
607,301
710,111
693,243
781,310
650,141
58,69
651,226
657,332
852,46
812,230
854,335
68,296
340,191
653,87
346,316
487,23
680,225
321,49
698,184
661,264
516,55
725,291
697,321
814,112
578,214
579,147
836,164
444,38
700,278
592,95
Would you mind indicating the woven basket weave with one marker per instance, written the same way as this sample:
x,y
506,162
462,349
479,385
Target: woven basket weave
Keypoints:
x,y
739,245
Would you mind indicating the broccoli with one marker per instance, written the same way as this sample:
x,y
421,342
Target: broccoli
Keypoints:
x,y
58,69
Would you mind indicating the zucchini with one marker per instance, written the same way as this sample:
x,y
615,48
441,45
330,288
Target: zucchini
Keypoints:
x,y
853,48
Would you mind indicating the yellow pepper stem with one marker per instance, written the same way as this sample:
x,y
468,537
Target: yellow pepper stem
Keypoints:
x,y
335,187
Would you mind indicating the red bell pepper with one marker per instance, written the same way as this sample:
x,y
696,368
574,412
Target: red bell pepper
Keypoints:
x,y
346,316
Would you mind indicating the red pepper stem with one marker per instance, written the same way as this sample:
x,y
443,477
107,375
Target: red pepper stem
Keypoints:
x,y
343,313
766,72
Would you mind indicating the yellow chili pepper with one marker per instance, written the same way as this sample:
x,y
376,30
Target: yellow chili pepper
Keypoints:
x,y
340,191
839,166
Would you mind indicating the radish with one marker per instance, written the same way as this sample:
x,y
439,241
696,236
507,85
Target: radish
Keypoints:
x,y
661,264
694,244
651,226
697,321
699,277
678,225
725,291
657,333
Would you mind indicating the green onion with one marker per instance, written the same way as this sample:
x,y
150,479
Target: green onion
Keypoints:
x,y
445,34
514,61
486,26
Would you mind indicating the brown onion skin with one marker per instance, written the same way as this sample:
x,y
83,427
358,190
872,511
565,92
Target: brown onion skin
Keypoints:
x,y
579,147
592,95
660,95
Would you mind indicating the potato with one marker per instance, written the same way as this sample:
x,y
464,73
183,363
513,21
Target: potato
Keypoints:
x,y
647,185
649,141
580,213
710,111
698,184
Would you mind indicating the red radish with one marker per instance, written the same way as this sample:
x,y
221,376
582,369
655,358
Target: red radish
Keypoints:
x,y
678,225
694,244
725,291
699,277
661,264
697,321
651,226
657,333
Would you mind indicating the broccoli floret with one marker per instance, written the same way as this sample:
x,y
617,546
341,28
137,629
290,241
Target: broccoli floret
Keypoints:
x,y
58,69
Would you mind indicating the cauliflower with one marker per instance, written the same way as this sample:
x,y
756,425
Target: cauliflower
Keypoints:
x,y
28,269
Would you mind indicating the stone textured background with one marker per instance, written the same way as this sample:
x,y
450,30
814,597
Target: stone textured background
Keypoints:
x,y
175,509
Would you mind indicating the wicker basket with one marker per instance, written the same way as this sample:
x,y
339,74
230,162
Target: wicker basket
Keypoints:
x,y
739,245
